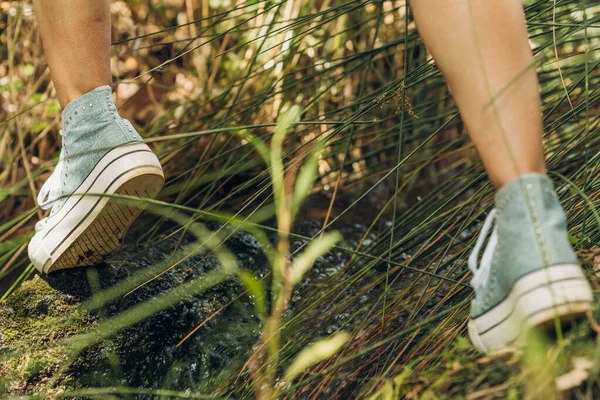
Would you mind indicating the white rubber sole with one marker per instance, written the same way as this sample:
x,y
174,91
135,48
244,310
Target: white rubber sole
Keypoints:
x,y
89,226
537,299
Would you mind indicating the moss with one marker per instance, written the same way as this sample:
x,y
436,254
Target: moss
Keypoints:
x,y
38,320
33,323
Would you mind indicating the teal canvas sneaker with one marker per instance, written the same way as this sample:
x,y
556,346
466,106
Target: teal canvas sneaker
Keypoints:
x,y
528,274
102,154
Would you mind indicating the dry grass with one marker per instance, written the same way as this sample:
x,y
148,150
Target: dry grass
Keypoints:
x,y
187,71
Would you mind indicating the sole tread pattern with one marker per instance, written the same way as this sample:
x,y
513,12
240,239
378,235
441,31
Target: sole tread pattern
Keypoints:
x,y
106,233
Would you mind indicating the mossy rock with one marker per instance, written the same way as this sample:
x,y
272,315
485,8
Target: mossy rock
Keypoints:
x,y
32,324
40,320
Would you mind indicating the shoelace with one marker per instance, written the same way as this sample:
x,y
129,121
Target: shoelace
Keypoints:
x,y
481,273
51,190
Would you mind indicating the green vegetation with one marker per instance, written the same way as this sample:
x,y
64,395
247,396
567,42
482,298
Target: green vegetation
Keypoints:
x,y
268,117
37,312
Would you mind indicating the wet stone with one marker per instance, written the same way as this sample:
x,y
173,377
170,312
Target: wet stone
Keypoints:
x,y
38,321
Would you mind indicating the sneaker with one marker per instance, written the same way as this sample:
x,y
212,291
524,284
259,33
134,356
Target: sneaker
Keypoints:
x,y
102,154
529,274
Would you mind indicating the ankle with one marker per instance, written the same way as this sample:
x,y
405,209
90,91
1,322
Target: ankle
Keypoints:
x,y
67,95
525,189
500,180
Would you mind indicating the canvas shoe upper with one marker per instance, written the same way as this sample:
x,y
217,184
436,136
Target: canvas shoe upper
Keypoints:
x,y
98,146
528,273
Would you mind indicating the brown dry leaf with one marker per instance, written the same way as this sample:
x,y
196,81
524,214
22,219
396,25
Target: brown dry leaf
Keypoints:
x,y
590,254
500,354
576,376
131,64
456,366
489,392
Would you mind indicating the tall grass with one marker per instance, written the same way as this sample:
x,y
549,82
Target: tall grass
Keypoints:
x,y
393,155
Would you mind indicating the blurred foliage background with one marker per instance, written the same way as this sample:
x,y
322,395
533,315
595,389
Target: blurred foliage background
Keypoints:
x,y
397,162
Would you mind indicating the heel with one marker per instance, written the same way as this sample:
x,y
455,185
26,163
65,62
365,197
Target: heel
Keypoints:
x,y
106,231
535,300
96,226
567,300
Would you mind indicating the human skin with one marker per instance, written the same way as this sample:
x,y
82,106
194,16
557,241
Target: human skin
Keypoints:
x,y
482,49
76,38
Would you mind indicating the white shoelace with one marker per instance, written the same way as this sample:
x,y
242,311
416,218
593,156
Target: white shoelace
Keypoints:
x,y
51,190
481,273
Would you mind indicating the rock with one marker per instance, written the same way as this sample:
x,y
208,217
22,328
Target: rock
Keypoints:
x,y
38,319
48,317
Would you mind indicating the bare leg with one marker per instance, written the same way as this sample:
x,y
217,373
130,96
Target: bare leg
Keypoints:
x,y
468,37
93,156
482,49
76,37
